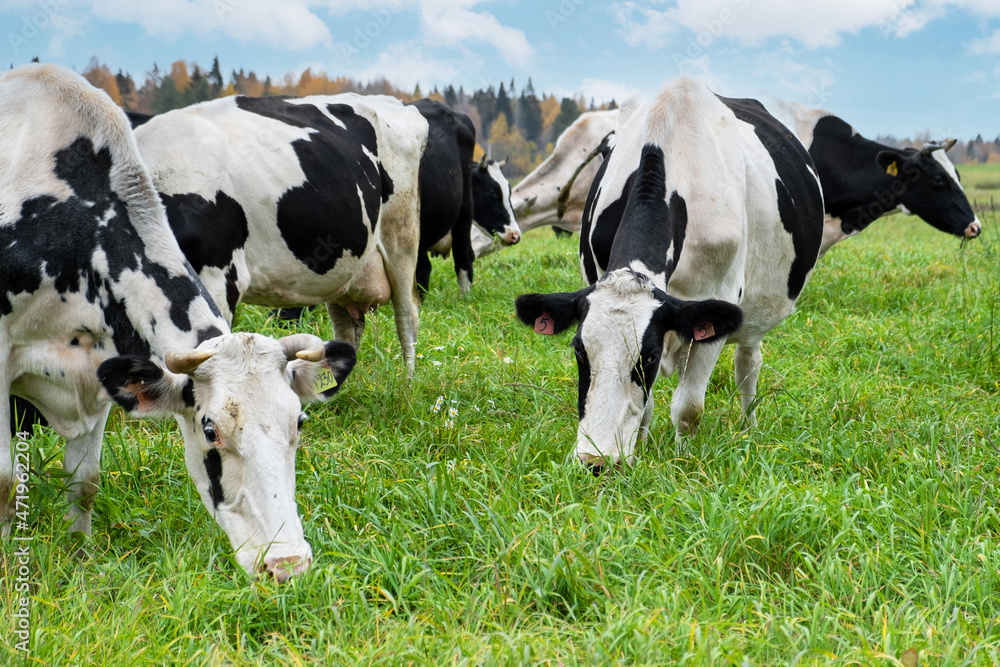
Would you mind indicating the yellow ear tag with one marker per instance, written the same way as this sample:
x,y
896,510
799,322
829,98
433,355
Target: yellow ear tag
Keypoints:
x,y
893,170
324,381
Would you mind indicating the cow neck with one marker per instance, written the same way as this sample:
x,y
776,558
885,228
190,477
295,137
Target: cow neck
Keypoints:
x,y
141,243
652,228
855,189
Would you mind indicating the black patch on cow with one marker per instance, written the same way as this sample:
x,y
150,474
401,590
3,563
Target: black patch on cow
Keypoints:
x,y
322,218
586,248
136,119
232,290
208,232
187,393
56,240
121,376
602,238
583,374
208,333
445,185
213,466
857,189
800,202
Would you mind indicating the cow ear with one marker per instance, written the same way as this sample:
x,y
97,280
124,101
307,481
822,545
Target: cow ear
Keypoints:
x,y
142,387
550,313
703,321
319,380
891,162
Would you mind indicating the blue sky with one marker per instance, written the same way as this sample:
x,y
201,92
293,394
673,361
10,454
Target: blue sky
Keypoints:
x,y
897,67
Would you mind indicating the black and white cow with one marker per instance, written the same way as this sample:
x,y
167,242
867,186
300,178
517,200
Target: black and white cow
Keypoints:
x,y
573,162
702,198
454,193
294,201
96,296
863,180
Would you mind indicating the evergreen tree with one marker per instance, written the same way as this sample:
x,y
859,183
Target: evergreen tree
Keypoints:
x,y
612,105
168,97
267,86
530,117
126,86
485,102
568,112
215,82
503,106
198,90
450,98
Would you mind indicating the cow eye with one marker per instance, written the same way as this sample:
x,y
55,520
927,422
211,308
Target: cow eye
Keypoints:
x,y
208,427
302,420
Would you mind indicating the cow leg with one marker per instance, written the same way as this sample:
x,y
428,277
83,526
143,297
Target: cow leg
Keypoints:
x,y
345,327
693,372
83,462
400,267
461,247
6,472
423,274
747,364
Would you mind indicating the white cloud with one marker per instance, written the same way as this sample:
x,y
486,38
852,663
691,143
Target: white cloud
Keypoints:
x,y
405,66
814,24
785,65
290,25
446,23
987,45
651,28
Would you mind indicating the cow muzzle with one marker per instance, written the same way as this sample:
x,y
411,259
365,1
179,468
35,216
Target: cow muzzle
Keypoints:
x,y
598,465
510,236
286,567
973,230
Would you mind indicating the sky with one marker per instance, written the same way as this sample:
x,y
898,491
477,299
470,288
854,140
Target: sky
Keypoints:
x,y
898,67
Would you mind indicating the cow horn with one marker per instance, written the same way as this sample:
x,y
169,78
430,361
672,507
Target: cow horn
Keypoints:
x,y
482,163
303,346
930,147
948,143
503,163
188,361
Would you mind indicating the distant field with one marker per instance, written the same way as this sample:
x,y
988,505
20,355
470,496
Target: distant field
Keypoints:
x,y
857,521
981,183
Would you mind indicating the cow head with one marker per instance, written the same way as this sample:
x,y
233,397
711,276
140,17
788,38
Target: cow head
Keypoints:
x,y
622,319
491,210
237,398
927,184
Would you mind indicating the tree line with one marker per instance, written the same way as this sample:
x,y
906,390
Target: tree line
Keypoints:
x,y
521,126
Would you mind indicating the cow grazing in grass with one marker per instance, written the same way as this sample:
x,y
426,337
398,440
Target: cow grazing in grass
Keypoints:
x,y
296,201
455,193
863,180
97,302
574,161
704,203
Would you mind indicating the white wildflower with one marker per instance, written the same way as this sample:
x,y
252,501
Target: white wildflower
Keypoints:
x,y
450,423
452,412
439,347
438,405
436,363
508,360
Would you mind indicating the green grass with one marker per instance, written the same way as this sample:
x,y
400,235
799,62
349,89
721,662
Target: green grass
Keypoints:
x,y
857,521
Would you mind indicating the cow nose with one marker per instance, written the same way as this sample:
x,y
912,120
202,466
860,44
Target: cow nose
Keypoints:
x,y
972,231
283,569
512,237
597,465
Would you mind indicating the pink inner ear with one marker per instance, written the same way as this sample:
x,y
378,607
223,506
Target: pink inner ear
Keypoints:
x,y
704,330
545,324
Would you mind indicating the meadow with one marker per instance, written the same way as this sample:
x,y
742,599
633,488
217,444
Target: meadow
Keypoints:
x,y
856,524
